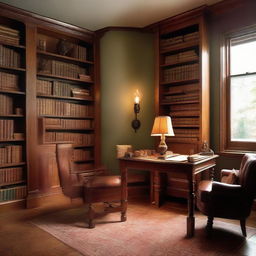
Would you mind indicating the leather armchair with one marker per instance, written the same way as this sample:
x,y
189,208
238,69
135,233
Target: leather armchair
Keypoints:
x,y
231,201
92,185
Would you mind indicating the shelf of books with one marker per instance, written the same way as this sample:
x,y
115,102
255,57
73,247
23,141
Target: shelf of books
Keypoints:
x,y
12,111
65,94
181,83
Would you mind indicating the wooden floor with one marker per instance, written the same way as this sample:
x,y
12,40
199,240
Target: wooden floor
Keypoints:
x,y
19,237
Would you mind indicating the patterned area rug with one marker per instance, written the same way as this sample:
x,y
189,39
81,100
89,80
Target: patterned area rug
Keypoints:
x,y
148,231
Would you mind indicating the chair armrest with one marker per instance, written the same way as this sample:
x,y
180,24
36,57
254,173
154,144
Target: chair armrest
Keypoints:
x,y
226,190
226,172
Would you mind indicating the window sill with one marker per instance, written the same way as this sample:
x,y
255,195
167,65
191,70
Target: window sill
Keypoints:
x,y
234,153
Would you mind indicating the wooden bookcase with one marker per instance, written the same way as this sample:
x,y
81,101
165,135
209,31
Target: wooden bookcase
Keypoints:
x,y
182,87
52,97
65,93
12,110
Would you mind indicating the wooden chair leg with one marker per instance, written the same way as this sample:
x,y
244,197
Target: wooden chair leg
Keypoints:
x,y
123,210
243,226
91,216
209,224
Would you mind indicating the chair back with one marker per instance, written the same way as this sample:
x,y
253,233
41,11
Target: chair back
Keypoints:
x,y
68,180
247,174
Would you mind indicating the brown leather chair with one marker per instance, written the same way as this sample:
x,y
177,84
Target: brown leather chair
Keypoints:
x,y
231,201
92,185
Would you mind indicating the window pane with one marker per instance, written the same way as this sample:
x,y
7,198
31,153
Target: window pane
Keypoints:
x,y
243,108
243,58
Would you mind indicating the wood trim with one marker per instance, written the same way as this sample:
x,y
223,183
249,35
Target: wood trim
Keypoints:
x,y
27,16
102,31
226,5
31,114
226,145
97,105
179,18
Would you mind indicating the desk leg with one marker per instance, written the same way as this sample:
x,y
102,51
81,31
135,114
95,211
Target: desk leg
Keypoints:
x,y
152,199
157,188
191,210
124,193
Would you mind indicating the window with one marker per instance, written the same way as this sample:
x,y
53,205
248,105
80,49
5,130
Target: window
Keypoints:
x,y
238,125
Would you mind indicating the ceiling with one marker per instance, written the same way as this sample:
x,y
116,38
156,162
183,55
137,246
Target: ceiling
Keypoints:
x,y
97,14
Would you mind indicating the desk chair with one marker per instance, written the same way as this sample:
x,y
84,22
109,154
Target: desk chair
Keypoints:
x,y
231,201
92,185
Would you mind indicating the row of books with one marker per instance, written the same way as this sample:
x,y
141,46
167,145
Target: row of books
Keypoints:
x,y
57,88
185,72
10,154
13,193
76,138
57,123
185,113
180,139
9,35
6,129
79,52
44,87
186,132
61,108
9,175
82,154
185,121
9,81
182,97
181,57
6,104
181,89
9,57
165,43
60,68
184,107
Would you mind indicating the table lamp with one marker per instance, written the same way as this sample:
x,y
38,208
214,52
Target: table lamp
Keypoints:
x,y
162,127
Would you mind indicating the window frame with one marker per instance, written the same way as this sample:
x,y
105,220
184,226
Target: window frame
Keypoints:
x,y
226,145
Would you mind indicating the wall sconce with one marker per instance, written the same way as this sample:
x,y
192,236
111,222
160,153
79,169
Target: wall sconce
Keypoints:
x,y
136,122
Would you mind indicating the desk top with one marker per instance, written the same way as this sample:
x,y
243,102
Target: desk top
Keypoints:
x,y
177,159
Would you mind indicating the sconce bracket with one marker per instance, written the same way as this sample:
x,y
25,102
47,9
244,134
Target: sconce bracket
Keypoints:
x,y
136,108
136,124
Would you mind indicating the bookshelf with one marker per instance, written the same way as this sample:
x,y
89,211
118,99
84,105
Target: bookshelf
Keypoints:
x,y
182,86
12,111
65,94
49,94
183,83
70,95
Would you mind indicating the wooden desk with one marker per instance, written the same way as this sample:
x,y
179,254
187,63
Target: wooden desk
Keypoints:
x,y
182,170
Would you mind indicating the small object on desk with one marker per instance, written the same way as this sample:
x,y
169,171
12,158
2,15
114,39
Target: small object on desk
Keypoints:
x,y
196,157
144,152
128,154
178,158
206,150
122,150
167,155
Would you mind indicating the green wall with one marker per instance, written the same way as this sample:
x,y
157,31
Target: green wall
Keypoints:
x,y
126,64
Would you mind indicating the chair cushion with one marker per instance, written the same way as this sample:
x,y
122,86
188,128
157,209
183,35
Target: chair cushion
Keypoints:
x,y
231,178
104,181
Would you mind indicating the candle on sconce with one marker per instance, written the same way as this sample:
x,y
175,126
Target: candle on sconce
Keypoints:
x,y
136,122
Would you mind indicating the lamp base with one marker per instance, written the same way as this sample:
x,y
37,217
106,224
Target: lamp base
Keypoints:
x,y
162,147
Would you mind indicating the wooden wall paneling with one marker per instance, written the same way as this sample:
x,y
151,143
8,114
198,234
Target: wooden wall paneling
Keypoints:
x,y
205,83
31,113
97,106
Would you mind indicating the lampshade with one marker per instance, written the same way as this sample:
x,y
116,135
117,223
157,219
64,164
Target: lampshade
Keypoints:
x,y
162,126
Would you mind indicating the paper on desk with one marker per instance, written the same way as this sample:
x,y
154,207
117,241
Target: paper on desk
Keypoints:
x,y
179,158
